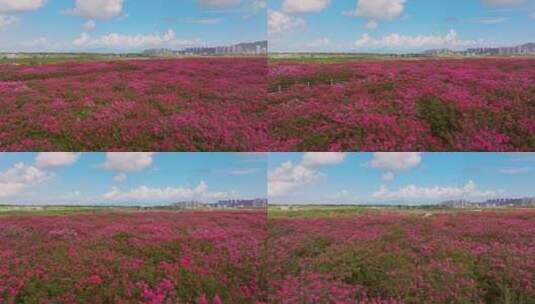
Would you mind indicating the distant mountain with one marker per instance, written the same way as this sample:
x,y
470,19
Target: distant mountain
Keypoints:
x,y
245,48
524,49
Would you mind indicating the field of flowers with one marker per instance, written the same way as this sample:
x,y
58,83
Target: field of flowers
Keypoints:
x,y
392,257
403,105
134,105
133,257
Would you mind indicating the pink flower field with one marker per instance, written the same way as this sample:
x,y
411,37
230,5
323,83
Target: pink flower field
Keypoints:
x,y
403,105
221,104
241,257
463,257
135,257
138,105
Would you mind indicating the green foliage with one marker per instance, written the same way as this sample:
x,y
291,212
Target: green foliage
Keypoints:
x,y
443,117
294,127
370,268
381,87
314,142
21,100
83,113
313,247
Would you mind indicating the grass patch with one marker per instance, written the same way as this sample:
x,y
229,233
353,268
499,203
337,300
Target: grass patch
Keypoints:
x,y
315,212
326,58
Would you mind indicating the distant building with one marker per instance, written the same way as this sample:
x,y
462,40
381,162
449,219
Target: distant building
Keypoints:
x,y
491,203
242,203
457,204
519,50
248,48
159,52
440,52
188,205
509,202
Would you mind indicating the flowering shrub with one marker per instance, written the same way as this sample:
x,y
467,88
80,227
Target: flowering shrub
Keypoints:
x,y
465,257
424,105
155,257
144,105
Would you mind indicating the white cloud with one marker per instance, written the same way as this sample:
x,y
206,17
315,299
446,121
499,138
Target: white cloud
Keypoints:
x,y
254,5
83,40
205,21
7,21
344,194
243,172
168,194
8,189
371,25
97,9
469,190
128,161
279,22
219,3
120,178
388,177
56,159
320,42
532,15
396,161
259,4
19,177
40,42
318,159
288,177
491,20
366,41
89,25
21,173
514,171
304,6
402,41
380,9
19,6
119,41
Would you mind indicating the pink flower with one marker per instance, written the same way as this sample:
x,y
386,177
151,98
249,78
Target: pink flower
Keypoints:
x,y
217,300
94,280
184,262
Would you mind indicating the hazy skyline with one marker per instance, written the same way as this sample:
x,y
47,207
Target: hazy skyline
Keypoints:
x,y
397,178
398,25
126,25
129,178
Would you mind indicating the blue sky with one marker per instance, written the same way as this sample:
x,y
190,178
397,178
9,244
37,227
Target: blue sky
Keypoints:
x,y
127,25
398,178
398,25
129,178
